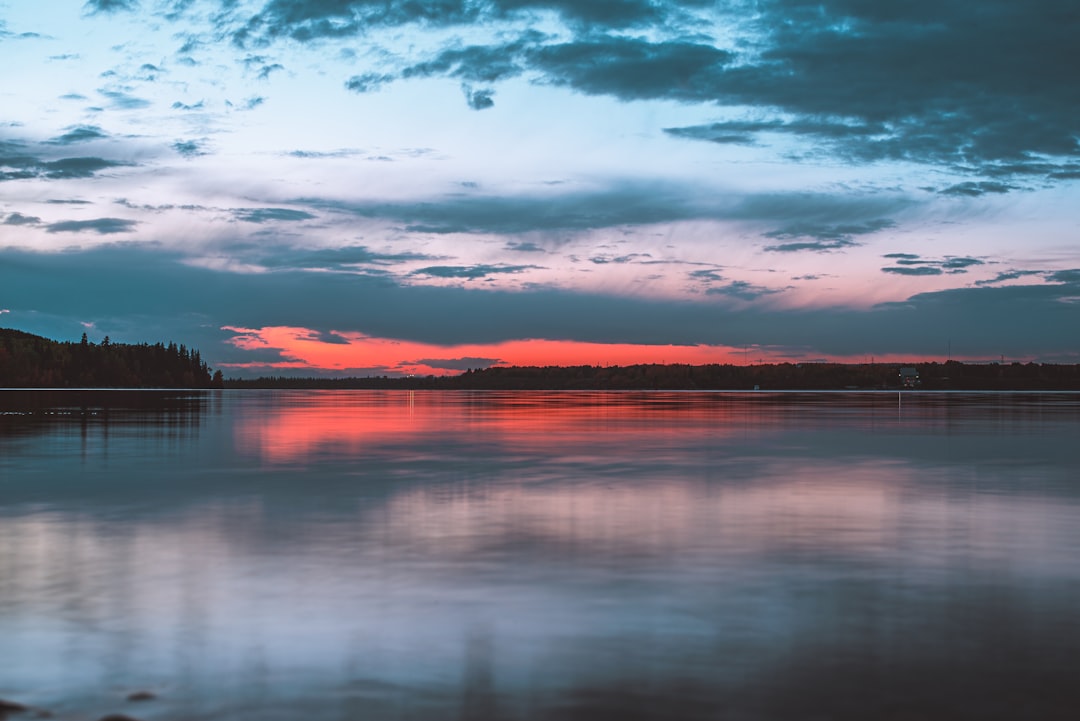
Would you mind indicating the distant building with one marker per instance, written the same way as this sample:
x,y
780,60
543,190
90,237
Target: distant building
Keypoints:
x,y
909,377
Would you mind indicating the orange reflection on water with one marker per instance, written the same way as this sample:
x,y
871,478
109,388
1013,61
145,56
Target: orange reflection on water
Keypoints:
x,y
298,426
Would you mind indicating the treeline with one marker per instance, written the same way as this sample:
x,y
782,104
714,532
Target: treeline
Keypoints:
x,y
30,361
952,375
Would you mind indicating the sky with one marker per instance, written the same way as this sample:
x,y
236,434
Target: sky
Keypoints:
x,y
396,187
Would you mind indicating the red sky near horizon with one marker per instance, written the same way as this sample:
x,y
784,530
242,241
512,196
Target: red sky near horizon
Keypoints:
x,y
304,349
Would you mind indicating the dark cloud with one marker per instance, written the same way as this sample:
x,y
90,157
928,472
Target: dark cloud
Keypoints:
x,y
913,270
266,70
20,219
73,96
742,290
618,259
13,155
325,337
194,302
985,90
24,166
823,237
952,83
479,99
937,83
189,148
1071,276
310,20
342,153
622,203
817,246
58,201
263,215
110,6
1008,275
453,364
183,106
316,20
747,131
479,63
346,258
175,9
633,69
595,14
77,167
122,100
716,284
79,134
975,189
367,82
525,247
954,263
148,72
913,264
101,226
471,272
707,274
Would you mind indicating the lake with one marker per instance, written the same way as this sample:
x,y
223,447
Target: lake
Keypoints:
x,y
451,555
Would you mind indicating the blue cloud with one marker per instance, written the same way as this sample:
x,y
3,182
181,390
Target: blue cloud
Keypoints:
x,y
471,272
189,148
479,99
368,82
910,270
101,226
111,6
77,167
121,100
975,189
80,134
20,219
263,215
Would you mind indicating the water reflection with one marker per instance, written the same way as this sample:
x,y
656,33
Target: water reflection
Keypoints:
x,y
557,556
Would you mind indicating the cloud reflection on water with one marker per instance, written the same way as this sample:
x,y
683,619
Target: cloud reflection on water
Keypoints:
x,y
483,556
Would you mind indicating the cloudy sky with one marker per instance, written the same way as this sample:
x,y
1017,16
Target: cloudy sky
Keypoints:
x,y
421,186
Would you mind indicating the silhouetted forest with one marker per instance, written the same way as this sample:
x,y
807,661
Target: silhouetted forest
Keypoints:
x,y
30,361
952,375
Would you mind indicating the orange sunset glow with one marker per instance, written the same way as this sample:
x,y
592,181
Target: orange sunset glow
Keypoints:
x,y
305,349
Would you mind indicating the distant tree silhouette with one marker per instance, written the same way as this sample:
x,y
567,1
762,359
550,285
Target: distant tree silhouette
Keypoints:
x,y
766,376
27,360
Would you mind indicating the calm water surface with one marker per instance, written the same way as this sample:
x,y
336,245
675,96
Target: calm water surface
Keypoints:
x,y
369,555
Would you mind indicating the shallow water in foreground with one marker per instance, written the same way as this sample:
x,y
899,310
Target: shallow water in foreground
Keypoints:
x,y
410,555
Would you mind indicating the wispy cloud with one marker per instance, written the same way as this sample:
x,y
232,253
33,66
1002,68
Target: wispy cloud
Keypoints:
x,y
264,215
472,272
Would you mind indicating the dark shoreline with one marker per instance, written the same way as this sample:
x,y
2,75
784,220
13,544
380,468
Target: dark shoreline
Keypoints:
x,y
952,375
